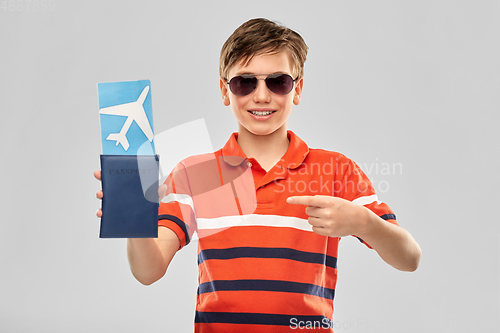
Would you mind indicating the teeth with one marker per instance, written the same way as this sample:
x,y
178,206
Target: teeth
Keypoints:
x,y
261,113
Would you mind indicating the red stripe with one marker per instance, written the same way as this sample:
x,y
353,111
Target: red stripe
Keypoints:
x,y
218,328
265,302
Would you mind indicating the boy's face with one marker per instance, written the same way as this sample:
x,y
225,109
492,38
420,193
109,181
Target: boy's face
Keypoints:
x,y
262,99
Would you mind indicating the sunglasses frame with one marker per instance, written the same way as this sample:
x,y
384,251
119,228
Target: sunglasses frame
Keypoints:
x,y
228,82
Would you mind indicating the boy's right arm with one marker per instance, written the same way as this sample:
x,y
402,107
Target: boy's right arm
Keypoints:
x,y
148,257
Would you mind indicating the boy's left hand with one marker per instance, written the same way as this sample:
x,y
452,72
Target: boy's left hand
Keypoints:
x,y
332,216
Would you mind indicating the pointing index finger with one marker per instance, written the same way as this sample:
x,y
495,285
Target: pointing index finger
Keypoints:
x,y
300,200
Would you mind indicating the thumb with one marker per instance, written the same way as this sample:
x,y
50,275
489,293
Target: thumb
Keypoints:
x,y
162,191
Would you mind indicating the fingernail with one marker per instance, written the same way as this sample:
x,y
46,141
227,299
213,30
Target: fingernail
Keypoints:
x,y
289,200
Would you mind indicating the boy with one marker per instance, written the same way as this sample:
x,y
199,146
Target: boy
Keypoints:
x,y
268,210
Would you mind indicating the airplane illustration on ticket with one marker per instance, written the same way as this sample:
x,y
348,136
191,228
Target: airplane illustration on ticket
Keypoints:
x,y
134,111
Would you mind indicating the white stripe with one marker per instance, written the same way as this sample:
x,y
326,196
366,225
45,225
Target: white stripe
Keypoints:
x,y
182,198
366,200
254,220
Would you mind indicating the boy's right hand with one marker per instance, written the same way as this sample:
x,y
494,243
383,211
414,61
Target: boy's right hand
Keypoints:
x,y
162,189
149,263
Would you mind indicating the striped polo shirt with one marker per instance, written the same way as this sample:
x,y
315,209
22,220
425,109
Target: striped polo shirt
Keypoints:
x,y
261,267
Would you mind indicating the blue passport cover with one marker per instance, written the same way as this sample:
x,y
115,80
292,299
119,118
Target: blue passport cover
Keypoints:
x,y
130,200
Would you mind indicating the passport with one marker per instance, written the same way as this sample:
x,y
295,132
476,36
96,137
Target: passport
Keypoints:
x,y
130,196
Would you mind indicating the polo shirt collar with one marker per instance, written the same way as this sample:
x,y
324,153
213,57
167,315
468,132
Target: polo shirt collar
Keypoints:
x,y
294,156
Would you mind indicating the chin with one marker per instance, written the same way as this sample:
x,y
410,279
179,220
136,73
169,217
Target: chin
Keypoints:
x,y
262,131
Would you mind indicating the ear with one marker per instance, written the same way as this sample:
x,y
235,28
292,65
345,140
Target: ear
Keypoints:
x,y
224,92
297,91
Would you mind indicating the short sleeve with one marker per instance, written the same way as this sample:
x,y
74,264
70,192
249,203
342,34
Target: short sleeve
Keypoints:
x,y
176,210
357,188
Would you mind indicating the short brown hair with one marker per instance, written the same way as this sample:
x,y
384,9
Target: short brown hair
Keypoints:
x,y
262,36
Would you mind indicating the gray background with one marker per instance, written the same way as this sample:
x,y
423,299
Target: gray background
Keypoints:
x,y
411,84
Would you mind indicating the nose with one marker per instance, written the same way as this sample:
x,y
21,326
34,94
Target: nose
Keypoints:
x,y
261,93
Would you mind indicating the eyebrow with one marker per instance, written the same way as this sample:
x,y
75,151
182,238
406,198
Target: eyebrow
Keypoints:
x,y
251,73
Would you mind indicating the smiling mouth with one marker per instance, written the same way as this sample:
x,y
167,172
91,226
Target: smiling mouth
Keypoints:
x,y
261,113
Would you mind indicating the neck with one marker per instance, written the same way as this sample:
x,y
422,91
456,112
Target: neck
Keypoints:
x,y
265,148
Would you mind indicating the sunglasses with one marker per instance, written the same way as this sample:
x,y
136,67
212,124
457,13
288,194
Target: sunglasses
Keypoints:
x,y
280,84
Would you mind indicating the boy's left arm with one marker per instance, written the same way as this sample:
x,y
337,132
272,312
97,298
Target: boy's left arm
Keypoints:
x,y
337,217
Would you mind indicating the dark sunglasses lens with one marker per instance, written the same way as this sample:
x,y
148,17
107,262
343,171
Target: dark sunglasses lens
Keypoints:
x,y
242,85
280,84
